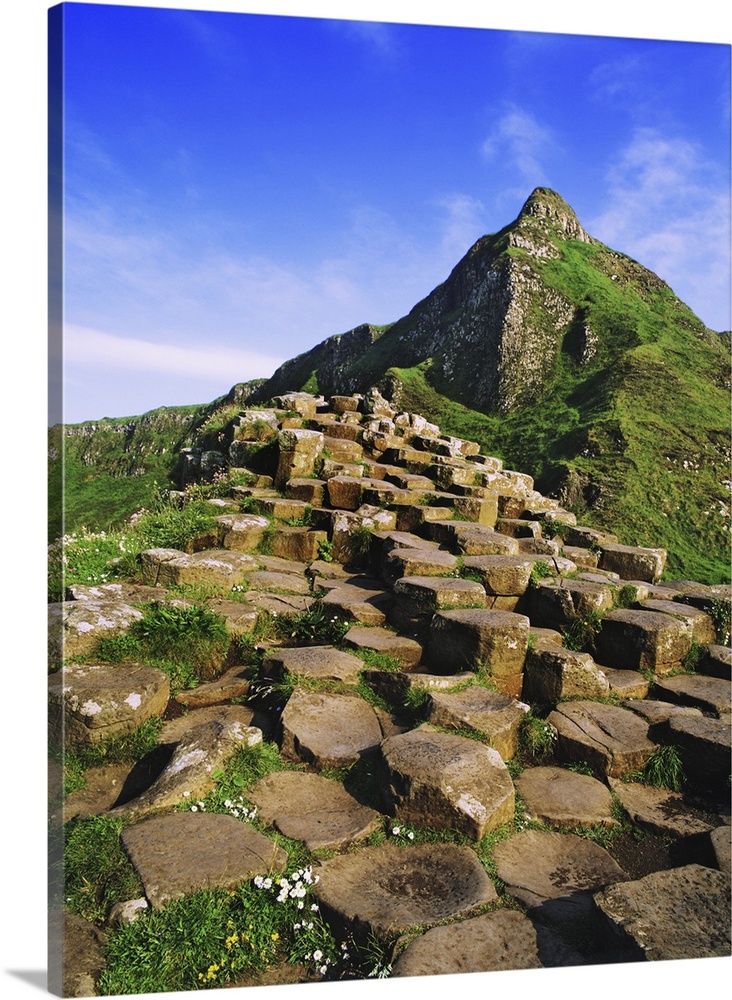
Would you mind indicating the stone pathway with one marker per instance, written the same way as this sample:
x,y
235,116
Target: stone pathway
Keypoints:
x,y
415,720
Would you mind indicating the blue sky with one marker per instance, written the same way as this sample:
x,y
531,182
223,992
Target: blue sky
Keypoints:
x,y
239,187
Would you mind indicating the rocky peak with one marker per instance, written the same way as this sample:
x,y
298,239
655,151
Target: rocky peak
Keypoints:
x,y
546,205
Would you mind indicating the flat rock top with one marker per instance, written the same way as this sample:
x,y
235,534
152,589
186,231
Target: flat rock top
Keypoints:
x,y
173,857
313,809
698,691
658,809
389,889
492,942
679,913
560,797
268,579
658,711
433,757
177,729
382,640
540,868
328,730
321,662
617,735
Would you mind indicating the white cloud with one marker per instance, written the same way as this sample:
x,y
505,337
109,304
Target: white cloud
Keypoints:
x,y
669,207
89,348
519,137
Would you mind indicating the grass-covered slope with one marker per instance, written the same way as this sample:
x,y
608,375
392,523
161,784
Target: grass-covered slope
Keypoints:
x,y
101,472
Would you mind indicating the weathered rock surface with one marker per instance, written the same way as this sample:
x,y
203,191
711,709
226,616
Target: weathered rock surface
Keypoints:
x,y
443,781
408,652
325,663
388,889
709,694
552,672
554,874
91,701
658,809
559,797
611,740
492,643
642,640
492,942
328,730
190,773
313,809
76,627
496,716
680,913
173,857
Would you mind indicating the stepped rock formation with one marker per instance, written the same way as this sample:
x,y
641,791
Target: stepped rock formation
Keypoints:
x,y
406,688
566,358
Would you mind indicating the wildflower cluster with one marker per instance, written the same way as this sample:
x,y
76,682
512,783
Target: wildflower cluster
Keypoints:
x,y
234,807
403,833
313,943
245,950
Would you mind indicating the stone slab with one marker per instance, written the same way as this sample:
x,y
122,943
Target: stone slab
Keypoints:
x,y
680,913
328,730
388,889
313,809
172,854
559,797
492,942
611,740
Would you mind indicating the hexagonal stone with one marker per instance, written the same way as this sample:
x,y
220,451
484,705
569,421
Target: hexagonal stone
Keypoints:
x,y
555,604
290,583
241,532
174,854
408,652
313,809
492,942
386,889
496,716
296,543
199,755
705,748
501,576
716,661
554,874
611,740
240,618
627,683
89,702
473,539
698,622
76,627
491,642
658,810
328,730
680,913
447,782
642,640
357,600
559,797
710,694
632,562
416,562
215,566
552,672
319,662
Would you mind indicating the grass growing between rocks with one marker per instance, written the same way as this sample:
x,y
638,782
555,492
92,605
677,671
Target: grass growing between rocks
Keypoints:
x,y
97,871
126,749
188,643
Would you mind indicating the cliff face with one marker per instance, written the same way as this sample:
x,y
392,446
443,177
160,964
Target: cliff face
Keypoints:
x,y
490,332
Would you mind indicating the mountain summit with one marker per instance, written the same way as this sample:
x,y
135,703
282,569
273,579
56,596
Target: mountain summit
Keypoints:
x,y
569,359
494,334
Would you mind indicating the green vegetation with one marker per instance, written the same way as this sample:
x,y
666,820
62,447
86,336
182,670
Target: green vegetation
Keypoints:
x,y
127,748
188,643
663,769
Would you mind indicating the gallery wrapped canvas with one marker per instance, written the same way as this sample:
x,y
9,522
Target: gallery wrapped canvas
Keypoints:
x,y
388,478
